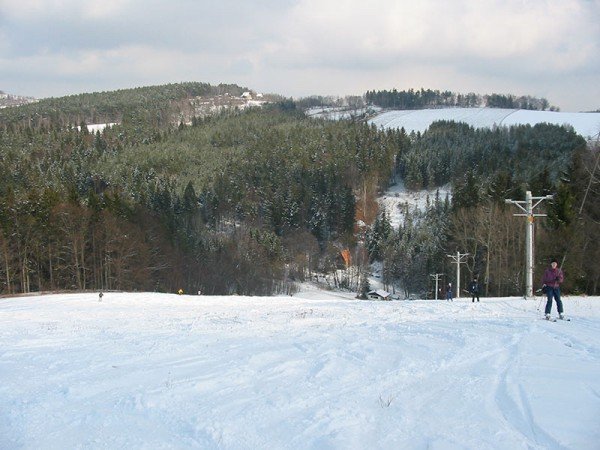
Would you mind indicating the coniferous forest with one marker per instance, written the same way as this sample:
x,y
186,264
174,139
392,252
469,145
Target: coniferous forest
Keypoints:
x,y
251,201
428,98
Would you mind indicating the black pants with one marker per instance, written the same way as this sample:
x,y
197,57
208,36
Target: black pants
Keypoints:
x,y
553,293
473,295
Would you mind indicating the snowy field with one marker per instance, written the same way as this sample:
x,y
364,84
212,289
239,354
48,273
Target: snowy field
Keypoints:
x,y
315,371
93,128
397,198
585,124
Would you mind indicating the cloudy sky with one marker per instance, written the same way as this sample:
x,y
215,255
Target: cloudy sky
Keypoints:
x,y
544,48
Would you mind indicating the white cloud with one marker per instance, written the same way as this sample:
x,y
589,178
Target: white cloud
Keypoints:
x,y
32,10
511,46
100,9
301,47
560,34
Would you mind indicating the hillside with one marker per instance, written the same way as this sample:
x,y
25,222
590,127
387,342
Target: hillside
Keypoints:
x,y
7,100
158,106
316,370
585,124
254,200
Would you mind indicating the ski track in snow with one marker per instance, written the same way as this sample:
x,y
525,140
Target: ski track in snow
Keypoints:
x,y
313,371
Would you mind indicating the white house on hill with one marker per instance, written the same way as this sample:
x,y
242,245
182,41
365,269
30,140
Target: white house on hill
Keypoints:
x,y
379,294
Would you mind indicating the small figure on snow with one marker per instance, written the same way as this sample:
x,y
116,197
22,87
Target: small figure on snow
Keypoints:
x,y
551,281
449,293
100,295
180,291
474,289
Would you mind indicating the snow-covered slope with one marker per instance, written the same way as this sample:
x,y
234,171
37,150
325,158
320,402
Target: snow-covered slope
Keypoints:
x,y
314,371
397,198
585,124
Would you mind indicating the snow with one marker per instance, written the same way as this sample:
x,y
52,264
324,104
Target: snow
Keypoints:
x,y
585,124
397,198
314,371
92,128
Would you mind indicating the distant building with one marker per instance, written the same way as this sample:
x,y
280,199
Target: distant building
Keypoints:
x,y
247,95
380,294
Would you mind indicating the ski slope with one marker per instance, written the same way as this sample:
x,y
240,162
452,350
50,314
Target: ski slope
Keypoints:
x,y
585,124
319,370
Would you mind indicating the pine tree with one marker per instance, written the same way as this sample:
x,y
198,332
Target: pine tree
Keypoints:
x,y
379,233
364,286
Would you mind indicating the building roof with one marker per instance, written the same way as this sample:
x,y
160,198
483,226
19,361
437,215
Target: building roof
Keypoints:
x,y
380,292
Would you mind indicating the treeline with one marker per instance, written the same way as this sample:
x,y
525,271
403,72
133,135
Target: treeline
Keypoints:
x,y
427,98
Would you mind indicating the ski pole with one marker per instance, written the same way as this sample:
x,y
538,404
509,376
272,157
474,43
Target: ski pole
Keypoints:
x,y
541,299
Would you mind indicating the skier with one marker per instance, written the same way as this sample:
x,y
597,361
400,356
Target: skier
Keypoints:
x,y
474,289
449,293
551,281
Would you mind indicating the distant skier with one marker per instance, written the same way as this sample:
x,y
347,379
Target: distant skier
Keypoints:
x,y
474,289
449,293
551,281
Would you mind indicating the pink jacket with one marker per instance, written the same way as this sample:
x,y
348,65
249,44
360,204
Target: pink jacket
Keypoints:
x,y
553,277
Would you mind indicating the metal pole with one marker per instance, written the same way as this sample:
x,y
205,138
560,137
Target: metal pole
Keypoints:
x,y
457,274
527,207
436,277
529,246
458,259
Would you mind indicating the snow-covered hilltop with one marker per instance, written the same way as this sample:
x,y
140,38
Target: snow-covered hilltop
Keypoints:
x,y
14,100
317,370
585,124
207,105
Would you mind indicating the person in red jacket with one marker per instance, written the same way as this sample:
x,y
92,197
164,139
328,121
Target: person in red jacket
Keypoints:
x,y
551,281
